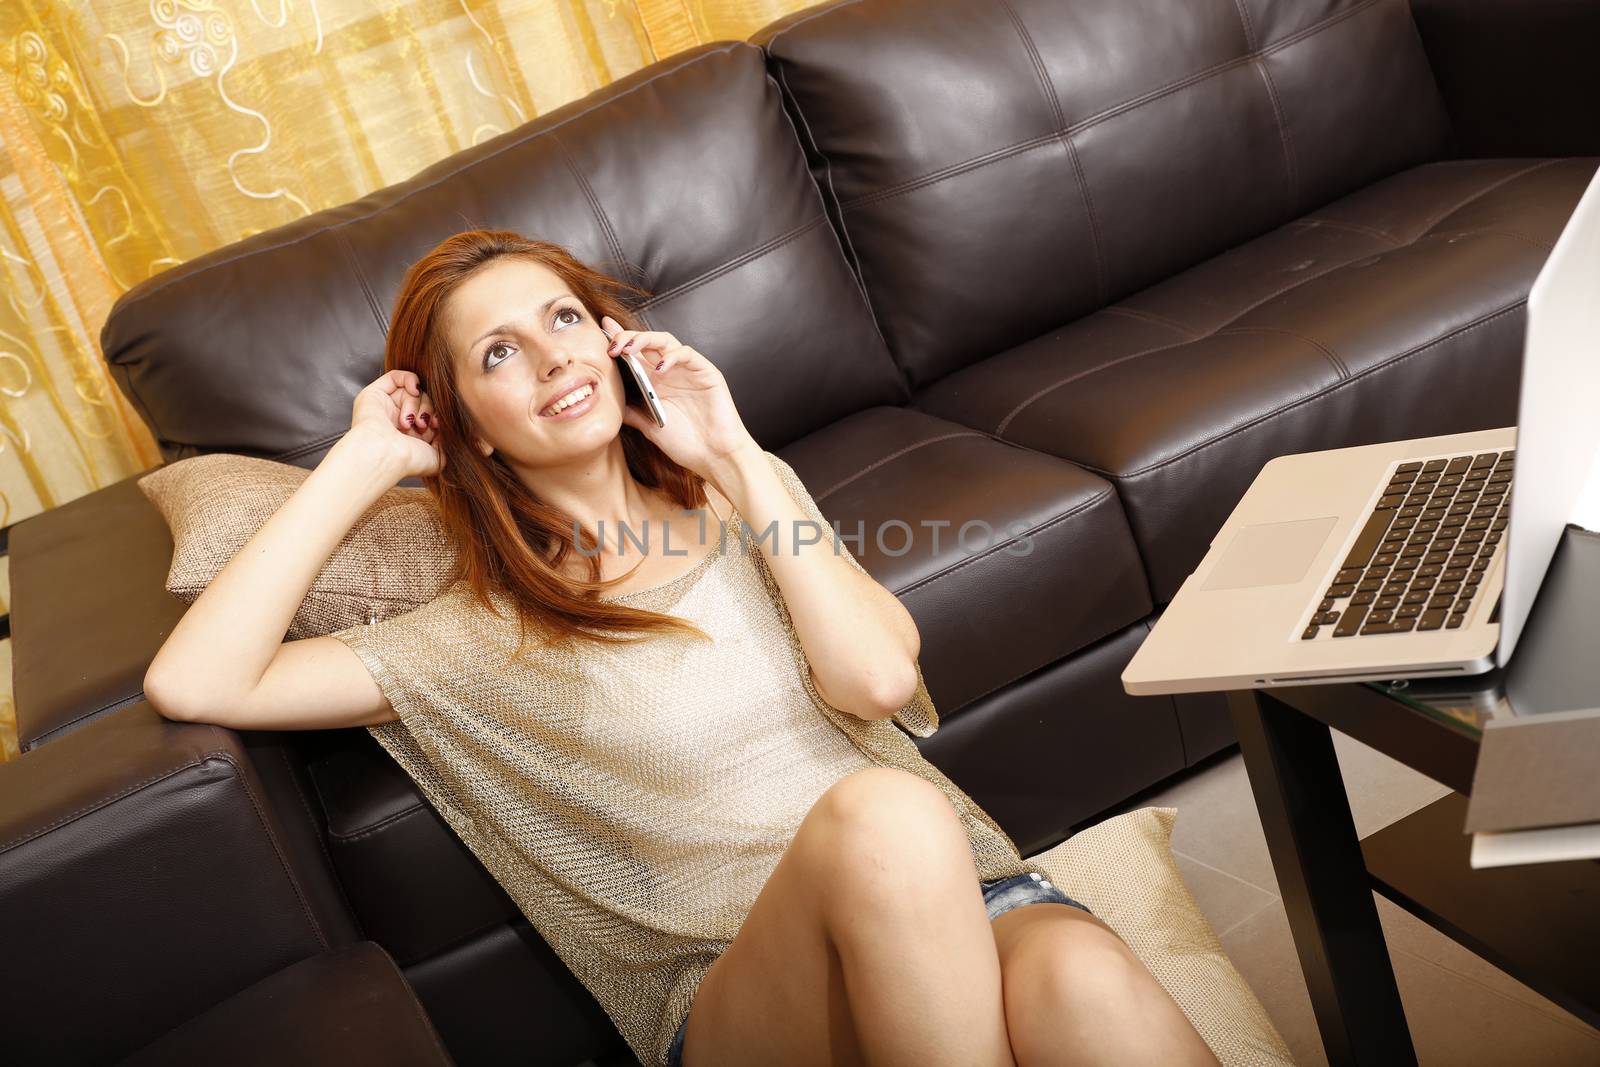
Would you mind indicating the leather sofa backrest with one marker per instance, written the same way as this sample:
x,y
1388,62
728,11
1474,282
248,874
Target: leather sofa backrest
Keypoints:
x,y
685,178
1001,167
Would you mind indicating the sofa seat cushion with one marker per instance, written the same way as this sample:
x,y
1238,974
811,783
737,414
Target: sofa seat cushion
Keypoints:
x,y
349,1006
1394,312
414,886
89,608
1054,570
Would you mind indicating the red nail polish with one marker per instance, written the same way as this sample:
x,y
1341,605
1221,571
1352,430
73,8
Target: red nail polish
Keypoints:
x,y
663,363
411,418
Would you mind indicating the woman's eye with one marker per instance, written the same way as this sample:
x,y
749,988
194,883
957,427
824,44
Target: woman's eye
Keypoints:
x,y
577,316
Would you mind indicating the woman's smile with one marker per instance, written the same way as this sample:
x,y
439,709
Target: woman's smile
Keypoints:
x,y
575,410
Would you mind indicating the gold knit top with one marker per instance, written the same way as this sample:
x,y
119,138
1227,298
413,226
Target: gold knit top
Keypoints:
x,y
633,799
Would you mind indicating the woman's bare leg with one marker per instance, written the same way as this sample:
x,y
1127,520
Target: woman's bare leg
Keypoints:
x,y
1075,994
869,943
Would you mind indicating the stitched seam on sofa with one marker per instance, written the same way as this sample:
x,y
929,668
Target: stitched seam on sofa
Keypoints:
x,y
858,274
1338,364
1039,529
1104,288
1291,181
96,805
272,839
379,826
818,497
1249,26
1151,317
1546,246
121,702
1060,123
316,831
814,15
1053,386
1353,227
1115,109
737,262
1428,226
1507,180
1290,178
361,279
1398,243
1438,217
1375,368
599,211
535,135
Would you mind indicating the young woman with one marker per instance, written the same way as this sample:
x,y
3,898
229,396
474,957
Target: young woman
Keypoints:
x,y
681,747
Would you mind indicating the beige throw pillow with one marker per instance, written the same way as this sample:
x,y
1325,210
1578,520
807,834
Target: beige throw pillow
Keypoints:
x,y
397,556
1123,870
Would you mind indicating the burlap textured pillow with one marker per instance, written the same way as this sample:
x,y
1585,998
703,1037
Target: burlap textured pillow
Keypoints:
x,y
397,556
1123,870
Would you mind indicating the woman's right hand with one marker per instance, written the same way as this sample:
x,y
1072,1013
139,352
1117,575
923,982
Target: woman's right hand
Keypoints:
x,y
393,413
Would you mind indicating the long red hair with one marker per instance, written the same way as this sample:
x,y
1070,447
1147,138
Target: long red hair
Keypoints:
x,y
507,539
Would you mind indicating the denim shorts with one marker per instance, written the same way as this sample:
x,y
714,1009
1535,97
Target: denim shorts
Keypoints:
x,y
999,897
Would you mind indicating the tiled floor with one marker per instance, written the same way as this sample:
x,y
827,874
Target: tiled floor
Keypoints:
x,y
1461,1010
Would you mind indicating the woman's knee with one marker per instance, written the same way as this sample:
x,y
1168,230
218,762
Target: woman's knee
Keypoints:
x,y
1074,965
873,828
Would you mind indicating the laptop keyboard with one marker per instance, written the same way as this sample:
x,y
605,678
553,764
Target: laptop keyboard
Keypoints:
x,y
1423,551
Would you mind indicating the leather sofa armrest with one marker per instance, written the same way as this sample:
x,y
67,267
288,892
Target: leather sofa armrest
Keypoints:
x,y
1518,76
143,880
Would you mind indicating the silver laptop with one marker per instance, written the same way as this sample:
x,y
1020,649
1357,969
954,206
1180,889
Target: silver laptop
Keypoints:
x,y
1406,559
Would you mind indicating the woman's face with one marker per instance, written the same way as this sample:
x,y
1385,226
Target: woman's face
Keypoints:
x,y
521,342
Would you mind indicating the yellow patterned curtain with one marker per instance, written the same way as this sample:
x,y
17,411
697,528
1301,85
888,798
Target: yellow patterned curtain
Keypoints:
x,y
137,134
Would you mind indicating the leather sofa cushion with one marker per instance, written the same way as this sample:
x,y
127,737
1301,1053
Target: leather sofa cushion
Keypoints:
x,y
999,169
988,613
415,886
684,179
89,608
349,1006
1395,312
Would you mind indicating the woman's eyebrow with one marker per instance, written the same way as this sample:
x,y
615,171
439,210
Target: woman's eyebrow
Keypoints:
x,y
504,328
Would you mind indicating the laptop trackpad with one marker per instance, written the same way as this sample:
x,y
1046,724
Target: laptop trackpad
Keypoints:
x,y
1270,553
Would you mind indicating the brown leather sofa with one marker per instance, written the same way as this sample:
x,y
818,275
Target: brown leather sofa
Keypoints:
x,y
1078,265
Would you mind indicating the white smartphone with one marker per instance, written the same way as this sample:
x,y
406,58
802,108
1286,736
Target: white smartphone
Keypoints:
x,y
651,402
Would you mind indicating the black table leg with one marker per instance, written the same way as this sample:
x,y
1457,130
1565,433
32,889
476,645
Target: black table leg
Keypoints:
x,y
1299,793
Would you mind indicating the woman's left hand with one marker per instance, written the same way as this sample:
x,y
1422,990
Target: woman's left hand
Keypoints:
x,y
702,425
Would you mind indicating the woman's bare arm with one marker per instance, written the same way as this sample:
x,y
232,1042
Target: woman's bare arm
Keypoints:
x,y
861,642
212,666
